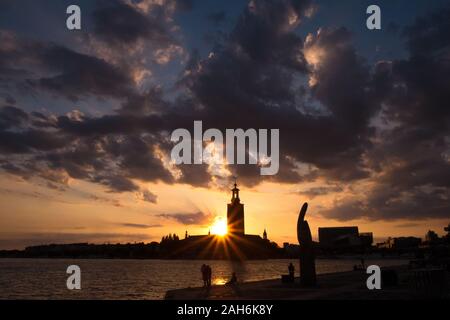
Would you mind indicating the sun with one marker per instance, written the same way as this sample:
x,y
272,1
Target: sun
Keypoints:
x,y
219,227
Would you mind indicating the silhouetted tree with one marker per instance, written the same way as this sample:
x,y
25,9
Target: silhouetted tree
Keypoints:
x,y
431,236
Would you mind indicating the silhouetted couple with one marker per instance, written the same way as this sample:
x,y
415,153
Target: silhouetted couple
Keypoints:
x,y
206,275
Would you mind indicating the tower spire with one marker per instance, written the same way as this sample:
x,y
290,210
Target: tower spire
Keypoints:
x,y
235,192
235,213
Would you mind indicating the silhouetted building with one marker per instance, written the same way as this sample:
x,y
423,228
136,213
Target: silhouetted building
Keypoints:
x,y
406,242
235,214
235,244
291,250
338,236
366,239
344,237
400,243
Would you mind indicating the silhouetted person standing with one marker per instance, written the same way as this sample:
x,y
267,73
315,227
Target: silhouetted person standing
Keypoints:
x,y
204,271
291,269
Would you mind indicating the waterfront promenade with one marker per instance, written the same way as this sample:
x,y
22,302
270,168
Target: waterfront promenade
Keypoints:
x,y
344,285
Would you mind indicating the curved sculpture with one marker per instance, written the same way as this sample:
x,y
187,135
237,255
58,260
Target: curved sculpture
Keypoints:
x,y
307,258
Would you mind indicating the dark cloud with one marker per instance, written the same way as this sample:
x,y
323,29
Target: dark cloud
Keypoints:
x,y
116,183
148,102
14,169
140,161
263,31
136,159
140,226
252,76
320,191
60,70
149,197
80,74
341,119
411,155
111,160
428,35
121,24
30,140
39,120
250,81
198,218
12,117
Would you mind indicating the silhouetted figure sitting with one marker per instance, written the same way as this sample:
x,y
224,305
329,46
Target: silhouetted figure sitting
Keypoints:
x,y
233,279
291,269
208,275
203,270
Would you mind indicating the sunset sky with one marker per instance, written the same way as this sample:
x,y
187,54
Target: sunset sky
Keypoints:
x,y
86,116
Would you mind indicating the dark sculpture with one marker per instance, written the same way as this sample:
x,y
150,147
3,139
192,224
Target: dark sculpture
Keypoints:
x,y
307,258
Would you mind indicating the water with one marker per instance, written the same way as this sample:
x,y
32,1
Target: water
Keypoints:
x,y
139,279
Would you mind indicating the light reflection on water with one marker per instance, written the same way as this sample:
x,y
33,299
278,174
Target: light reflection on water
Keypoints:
x,y
140,279
219,281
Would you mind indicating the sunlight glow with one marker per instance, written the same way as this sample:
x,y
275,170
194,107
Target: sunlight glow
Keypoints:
x,y
219,227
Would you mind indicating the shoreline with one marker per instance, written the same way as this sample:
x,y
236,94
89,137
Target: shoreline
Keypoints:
x,y
334,257
347,285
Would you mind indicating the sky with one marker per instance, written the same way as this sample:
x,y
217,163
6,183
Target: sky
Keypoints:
x,y
86,117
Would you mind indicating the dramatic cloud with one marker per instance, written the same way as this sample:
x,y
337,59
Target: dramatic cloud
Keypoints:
x,y
59,70
342,119
136,36
428,34
29,139
121,24
411,154
80,74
